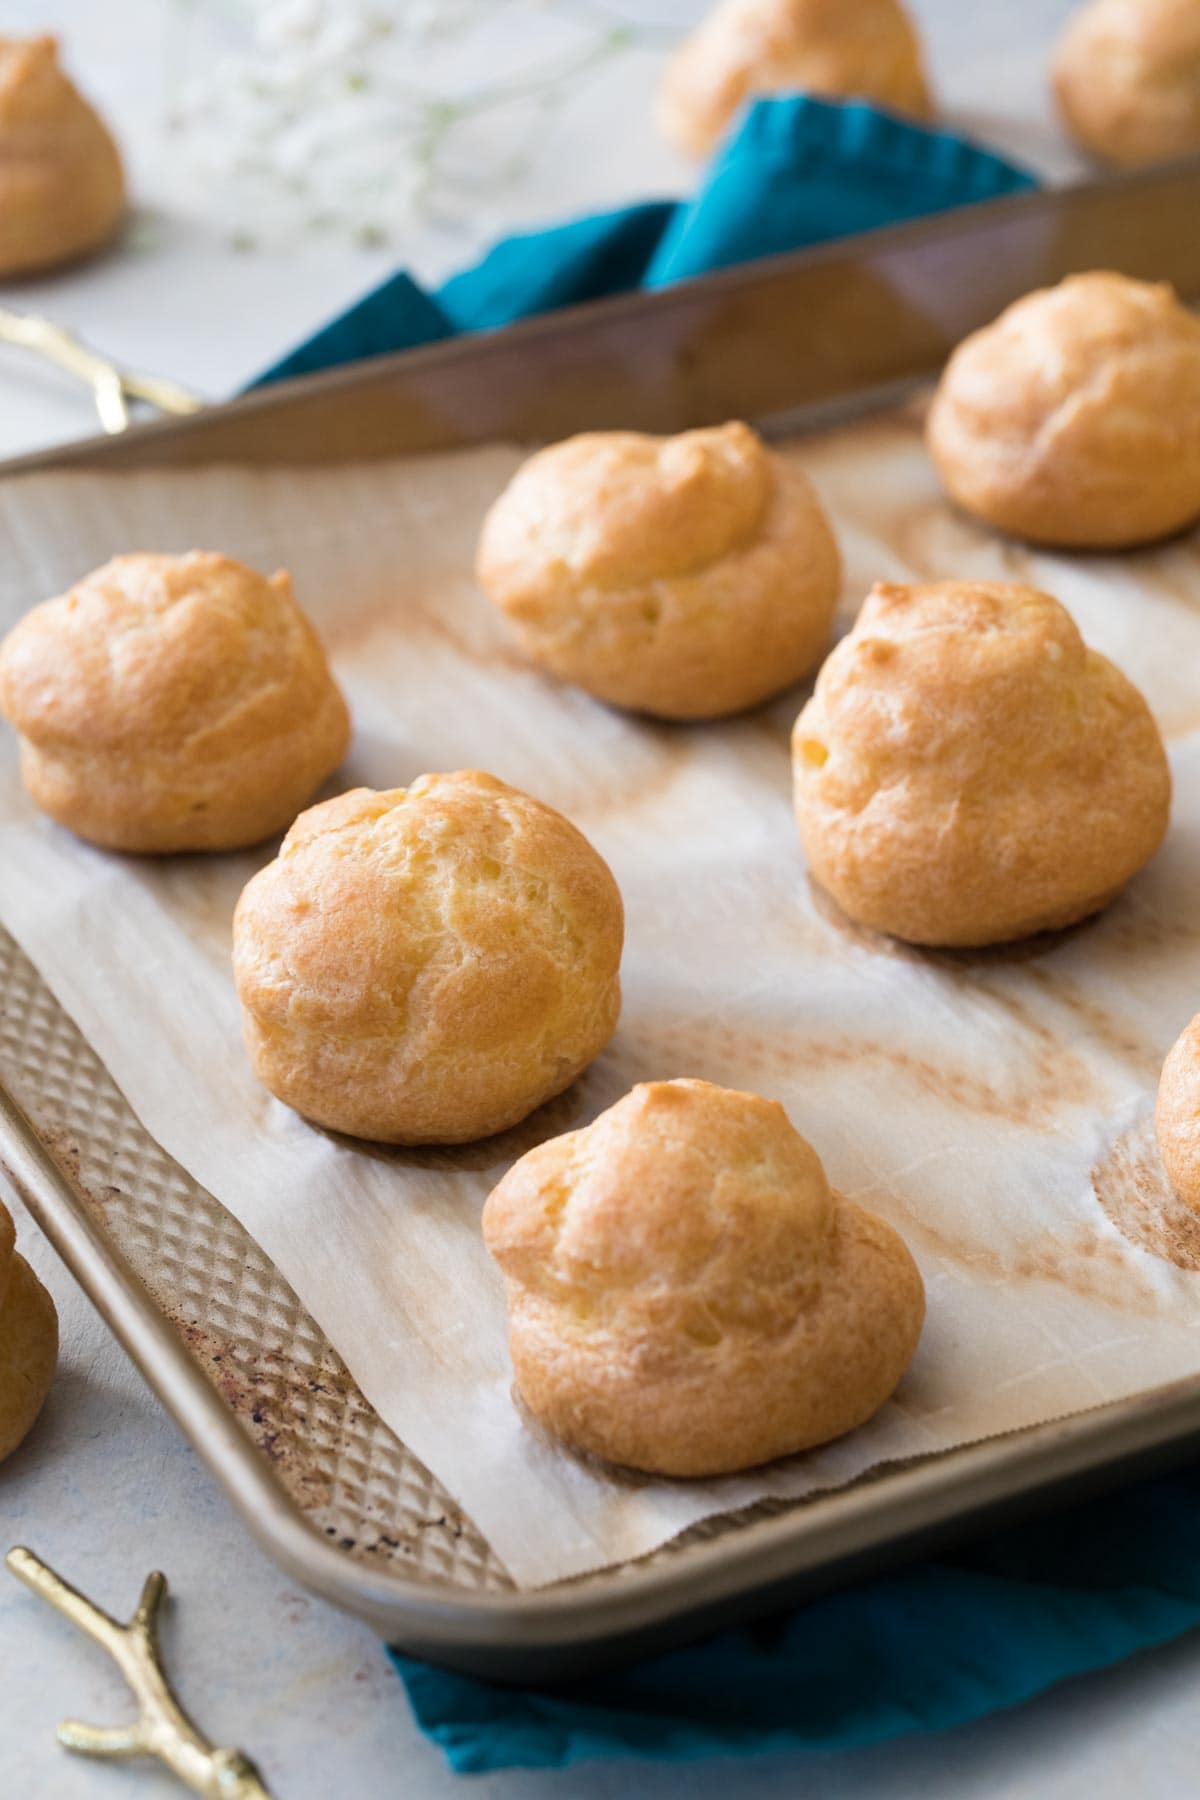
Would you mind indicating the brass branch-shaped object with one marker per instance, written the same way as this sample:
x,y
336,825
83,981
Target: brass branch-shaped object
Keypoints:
x,y
112,386
162,1728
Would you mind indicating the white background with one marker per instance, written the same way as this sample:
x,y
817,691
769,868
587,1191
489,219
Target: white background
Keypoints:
x,y
105,1488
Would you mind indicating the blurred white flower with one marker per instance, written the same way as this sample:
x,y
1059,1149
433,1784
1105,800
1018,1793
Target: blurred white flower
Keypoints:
x,y
362,116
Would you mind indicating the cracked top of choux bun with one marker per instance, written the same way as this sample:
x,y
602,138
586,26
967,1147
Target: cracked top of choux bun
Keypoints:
x,y
428,964
686,577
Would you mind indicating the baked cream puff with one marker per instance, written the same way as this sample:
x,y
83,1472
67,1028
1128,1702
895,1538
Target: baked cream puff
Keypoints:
x,y
62,187
171,703
687,1295
28,1341
1074,419
430,964
969,772
1177,1115
1127,80
841,49
686,577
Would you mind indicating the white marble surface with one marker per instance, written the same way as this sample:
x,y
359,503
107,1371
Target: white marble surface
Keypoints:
x,y
105,1488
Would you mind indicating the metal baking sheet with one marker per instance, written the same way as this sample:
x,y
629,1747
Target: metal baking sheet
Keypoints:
x,y
248,1375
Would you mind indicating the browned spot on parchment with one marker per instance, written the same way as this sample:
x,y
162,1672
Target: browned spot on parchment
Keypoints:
x,y
488,645
915,531
668,754
1101,1026
718,1050
1080,1260
1131,1186
1176,575
1139,932
1031,959
445,613
1060,1075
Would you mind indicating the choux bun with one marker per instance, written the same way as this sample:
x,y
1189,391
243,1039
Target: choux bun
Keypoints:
x,y
172,703
686,577
1127,80
968,772
686,1294
28,1341
1074,419
62,187
1177,1115
428,965
841,49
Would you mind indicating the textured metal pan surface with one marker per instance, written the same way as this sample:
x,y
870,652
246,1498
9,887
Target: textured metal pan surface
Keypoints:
x,y
232,1310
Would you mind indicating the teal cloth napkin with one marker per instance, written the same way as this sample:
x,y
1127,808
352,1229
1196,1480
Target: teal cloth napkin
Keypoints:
x,y
947,1641
935,1645
799,171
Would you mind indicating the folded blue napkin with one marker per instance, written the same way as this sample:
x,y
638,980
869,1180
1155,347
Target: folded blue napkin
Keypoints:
x,y
946,1641
799,171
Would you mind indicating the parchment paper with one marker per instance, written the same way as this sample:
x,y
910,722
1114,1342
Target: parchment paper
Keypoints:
x,y
994,1107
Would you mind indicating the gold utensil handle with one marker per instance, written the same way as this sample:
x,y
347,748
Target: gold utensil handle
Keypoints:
x,y
112,386
162,1728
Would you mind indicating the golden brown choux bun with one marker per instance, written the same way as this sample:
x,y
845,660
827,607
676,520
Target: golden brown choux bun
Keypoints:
x,y
62,188
171,703
428,965
1074,419
1127,79
687,1296
969,772
1177,1115
842,49
686,577
28,1341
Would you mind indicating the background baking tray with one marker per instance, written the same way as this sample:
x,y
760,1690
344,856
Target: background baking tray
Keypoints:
x,y
330,1491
